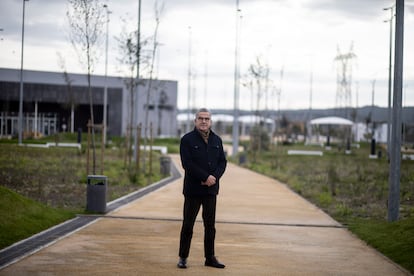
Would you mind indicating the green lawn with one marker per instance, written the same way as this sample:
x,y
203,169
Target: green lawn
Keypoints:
x,y
395,240
352,188
21,217
42,187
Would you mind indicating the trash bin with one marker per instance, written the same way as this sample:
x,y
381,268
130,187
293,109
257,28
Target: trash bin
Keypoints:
x,y
379,154
96,193
165,165
242,159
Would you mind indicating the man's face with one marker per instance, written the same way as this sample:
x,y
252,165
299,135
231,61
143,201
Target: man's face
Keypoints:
x,y
203,121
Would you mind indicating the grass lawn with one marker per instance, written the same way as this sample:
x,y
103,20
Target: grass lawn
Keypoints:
x,y
395,240
21,217
352,188
41,187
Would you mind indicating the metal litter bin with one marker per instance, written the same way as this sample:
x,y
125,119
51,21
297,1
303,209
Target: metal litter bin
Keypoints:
x,y
165,165
242,159
96,193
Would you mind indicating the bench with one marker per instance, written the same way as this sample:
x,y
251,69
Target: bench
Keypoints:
x,y
305,152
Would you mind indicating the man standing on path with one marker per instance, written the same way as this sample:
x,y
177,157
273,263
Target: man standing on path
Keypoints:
x,y
204,162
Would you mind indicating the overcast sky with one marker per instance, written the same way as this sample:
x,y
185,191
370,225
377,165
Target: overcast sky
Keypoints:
x,y
300,37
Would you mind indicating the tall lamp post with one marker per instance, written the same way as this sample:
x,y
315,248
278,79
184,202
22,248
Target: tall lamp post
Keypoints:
x,y
389,81
189,76
105,107
135,116
20,122
395,152
236,85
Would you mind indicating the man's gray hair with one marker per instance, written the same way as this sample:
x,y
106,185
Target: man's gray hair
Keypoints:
x,y
203,109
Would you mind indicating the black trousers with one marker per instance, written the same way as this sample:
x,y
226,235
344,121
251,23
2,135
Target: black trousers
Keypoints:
x,y
191,209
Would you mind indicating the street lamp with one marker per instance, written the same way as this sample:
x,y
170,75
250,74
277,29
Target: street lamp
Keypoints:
x,y
189,74
105,107
235,133
389,81
135,117
20,122
395,151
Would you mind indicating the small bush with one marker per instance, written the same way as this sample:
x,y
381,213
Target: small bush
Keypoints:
x,y
324,199
341,210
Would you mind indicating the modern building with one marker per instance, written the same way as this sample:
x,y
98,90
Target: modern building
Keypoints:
x,y
60,102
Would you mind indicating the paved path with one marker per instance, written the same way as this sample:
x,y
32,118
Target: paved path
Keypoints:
x,y
263,228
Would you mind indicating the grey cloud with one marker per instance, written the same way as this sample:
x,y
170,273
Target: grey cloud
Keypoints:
x,y
356,9
41,21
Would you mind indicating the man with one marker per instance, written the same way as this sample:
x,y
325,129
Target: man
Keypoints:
x,y
204,162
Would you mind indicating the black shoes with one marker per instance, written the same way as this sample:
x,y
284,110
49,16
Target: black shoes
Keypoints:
x,y
213,262
182,263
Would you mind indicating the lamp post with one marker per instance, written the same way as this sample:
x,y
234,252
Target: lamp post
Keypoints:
x,y
20,122
135,116
389,81
236,85
395,151
372,152
189,76
105,107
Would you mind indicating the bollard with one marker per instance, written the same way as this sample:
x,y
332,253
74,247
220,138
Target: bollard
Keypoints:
x,y
372,146
79,135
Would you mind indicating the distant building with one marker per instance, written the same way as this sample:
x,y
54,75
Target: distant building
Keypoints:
x,y
53,102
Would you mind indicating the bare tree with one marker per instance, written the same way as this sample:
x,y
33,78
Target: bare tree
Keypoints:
x,y
86,21
71,97
258,73
158,10
128,49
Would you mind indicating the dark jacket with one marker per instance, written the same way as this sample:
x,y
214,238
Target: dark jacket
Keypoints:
x,y
199,160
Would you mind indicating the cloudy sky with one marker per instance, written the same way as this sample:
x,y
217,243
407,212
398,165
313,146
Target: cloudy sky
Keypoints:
x,y
300,38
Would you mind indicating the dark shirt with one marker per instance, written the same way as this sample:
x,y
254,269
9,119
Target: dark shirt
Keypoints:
x,y
200,160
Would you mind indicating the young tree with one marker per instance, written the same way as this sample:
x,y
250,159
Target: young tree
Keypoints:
x,y
158,10
259,73
133,52
86,21
128,50
128,60
71,100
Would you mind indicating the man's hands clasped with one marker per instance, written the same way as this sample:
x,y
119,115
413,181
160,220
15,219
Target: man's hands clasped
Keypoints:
x,y
210,181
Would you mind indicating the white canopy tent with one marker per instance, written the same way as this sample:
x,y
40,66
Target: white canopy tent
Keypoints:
x,y
222,122
331,121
